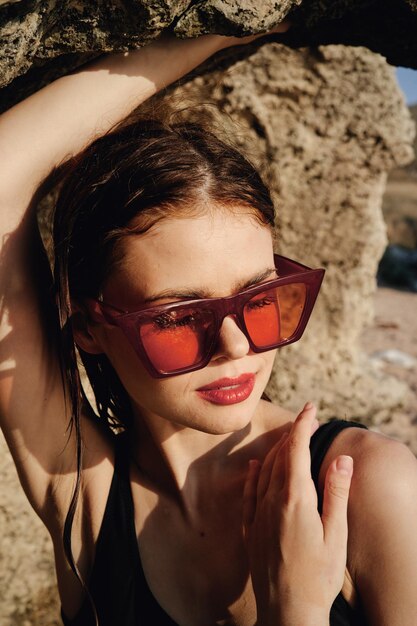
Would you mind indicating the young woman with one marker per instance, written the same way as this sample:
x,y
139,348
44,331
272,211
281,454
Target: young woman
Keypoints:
x,y
194,502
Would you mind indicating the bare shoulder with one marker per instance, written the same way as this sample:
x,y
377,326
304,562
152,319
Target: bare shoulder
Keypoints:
x,y
382,515
376,457
381,465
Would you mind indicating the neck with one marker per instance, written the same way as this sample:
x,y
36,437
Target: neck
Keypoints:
x,y
202,472
185,463
183,450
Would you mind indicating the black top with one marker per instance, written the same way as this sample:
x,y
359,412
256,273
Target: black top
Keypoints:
x,y
118,584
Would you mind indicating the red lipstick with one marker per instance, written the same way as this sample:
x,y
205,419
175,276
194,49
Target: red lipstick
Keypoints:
x,y
228,390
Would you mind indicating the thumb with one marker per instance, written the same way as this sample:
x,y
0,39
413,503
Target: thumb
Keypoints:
x,y
335,500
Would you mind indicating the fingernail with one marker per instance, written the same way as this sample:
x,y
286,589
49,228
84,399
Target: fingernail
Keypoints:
x,y
252,464
308,406
344,464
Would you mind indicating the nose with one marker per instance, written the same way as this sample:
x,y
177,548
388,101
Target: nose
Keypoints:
x,y
232,343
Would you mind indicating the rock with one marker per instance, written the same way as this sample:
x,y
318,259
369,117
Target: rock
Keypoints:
x,y
33,35
398,265
412,167
229,16
409,172
27,576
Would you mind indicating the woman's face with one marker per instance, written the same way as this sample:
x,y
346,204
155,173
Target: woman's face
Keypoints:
x,y
214,255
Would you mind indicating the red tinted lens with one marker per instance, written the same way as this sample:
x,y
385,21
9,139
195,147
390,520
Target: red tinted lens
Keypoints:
x,y
292,299
272,317
178,338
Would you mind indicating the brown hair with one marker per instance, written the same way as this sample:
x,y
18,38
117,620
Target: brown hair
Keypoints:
x,y
122,184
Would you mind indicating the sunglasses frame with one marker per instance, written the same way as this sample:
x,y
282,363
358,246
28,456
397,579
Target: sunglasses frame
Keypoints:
x,y
289,272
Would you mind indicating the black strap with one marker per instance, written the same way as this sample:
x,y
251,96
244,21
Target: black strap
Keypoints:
x,y
320,443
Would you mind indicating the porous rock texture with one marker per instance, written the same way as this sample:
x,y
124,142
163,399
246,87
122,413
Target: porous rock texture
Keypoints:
x,y
324,126
43,39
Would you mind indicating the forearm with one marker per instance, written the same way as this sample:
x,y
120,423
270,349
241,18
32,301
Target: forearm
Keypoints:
x,y
59,120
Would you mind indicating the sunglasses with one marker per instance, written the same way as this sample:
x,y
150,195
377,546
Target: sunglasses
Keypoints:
x,y
181,337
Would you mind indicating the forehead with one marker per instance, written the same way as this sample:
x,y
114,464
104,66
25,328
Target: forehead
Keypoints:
x,y
211,252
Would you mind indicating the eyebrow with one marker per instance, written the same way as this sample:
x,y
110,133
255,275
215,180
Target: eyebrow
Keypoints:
x,y
185,293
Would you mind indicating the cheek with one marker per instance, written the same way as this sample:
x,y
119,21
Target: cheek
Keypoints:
x,y
268,359
124,359
154,394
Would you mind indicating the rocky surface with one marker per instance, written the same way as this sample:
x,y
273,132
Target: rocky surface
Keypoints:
x,y
28,595
409,172
400,203
40,41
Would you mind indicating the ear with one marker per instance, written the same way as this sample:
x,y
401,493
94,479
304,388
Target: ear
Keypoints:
x,y
81,329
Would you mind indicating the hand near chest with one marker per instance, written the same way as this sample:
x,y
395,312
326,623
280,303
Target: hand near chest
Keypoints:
x,y
297,557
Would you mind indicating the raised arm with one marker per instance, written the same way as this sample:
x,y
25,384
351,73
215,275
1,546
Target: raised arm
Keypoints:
x,y
59,120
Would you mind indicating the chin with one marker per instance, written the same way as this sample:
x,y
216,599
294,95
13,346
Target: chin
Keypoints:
x,y
221,419
223,429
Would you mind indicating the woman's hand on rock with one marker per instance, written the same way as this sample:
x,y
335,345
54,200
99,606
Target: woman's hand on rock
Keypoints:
x,y
297,558
229,41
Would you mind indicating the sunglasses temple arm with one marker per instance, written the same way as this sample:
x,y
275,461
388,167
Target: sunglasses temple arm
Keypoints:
x,y
286,266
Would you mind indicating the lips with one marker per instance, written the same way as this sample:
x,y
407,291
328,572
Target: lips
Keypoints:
x,y
228,390
227,382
